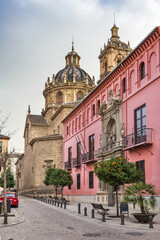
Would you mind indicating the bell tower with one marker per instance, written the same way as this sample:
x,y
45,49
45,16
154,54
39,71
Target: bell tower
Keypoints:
x,y
113,53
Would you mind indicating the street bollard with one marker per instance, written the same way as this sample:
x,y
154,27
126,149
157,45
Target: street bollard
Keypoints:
x,y
103,217
150,222
5,218
52,202
92,213
122,219
79,208
58,203
85,211
61,204
55,202
64,204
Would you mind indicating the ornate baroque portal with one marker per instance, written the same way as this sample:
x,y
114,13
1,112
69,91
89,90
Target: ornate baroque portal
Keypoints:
x,y
111,140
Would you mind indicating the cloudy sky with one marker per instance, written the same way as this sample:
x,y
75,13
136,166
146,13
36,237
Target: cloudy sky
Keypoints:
x,y
36,35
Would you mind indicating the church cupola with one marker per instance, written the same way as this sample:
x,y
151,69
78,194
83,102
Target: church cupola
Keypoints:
x,y
72,58
114,31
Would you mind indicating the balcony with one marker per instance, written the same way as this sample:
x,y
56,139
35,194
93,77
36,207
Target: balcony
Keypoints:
x,y
77,161
89,157
68,165
139,138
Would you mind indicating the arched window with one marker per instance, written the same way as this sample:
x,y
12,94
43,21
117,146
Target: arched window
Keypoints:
x,y
142,70
80,95
105,65
118,61
93,109
124,85
98,105
59,98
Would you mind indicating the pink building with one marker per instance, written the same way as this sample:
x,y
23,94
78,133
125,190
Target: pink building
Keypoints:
x,y
120,116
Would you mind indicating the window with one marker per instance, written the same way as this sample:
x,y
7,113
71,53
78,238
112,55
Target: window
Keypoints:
x,y
98,105
0,147
69,156
118,61
105,65
78,152
67,130
80,95
91,147
78,181
84,119
74,59
59,98
142,70
141,166
140,124
69,186
124,85
91,179
93,109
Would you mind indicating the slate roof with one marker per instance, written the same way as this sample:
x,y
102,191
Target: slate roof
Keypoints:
x,y
37,120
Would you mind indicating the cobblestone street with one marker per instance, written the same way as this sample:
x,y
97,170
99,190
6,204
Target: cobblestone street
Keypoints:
x,y
45,222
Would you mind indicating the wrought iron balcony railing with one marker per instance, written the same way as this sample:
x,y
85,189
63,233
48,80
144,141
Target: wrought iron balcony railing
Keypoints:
x,y
89,157
68,165
137,138
77,161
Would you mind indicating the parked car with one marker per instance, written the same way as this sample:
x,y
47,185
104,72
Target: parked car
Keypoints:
x,y
12,196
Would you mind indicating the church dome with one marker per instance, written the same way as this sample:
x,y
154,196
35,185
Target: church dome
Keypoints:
x,y
72,71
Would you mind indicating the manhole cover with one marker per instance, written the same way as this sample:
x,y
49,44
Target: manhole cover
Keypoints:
x,y
91,235
135,234
71,228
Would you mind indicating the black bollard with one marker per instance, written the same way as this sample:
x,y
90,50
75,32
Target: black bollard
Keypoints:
x,y
55,202
58,203
92,213
85,211
122,219
64,204
150,222
103,217
61,204
52,202
5,218
79,208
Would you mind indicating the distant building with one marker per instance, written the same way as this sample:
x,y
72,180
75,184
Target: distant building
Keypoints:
x,y
3,147
120,117
43,133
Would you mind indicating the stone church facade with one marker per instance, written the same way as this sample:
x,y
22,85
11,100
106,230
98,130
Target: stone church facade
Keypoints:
x,y
43,134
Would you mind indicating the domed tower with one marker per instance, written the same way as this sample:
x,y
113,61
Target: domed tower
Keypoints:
x,y
70,84
113,53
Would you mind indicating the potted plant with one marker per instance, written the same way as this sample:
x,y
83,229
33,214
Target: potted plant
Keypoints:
x,y
143,195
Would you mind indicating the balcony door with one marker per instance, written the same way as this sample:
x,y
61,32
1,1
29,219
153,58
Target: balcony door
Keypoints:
x,y
140,124
91,147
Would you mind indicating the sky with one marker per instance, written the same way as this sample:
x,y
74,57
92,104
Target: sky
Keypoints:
x,y
36,35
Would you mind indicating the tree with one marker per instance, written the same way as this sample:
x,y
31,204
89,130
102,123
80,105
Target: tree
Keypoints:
x,y
136,193
58,178
117,171
10,182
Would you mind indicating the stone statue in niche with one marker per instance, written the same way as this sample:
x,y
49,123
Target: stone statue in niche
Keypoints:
x,y
100,140
122,129
110,140
114,136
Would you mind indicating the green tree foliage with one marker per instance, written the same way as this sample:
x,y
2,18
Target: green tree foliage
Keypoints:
x,y
136,193
10,182
117,171
58,178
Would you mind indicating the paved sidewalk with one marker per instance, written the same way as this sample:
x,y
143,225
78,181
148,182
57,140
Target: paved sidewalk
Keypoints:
x,y
15,217
130,222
